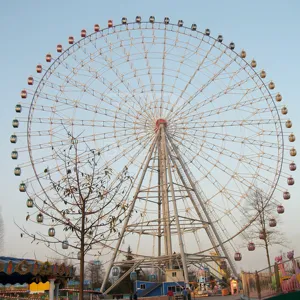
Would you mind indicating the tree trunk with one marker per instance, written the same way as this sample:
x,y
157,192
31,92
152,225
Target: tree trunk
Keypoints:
x,y
268,255
81,280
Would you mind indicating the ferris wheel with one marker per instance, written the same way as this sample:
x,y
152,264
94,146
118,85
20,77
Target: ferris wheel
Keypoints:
x,y
197,125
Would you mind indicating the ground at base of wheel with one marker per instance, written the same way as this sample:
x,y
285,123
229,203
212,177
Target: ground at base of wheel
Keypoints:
x,y
232,297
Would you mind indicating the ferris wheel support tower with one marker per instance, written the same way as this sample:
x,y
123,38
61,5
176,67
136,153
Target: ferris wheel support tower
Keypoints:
x,y
167,154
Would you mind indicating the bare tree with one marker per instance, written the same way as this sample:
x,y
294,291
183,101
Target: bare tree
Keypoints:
x,y
263,232
83,204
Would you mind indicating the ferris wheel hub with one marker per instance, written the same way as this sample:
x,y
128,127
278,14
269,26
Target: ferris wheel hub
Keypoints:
x,y
159,122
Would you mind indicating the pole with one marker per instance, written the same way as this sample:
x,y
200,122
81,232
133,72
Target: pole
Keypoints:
x,y
150,152
183,257
56,291
51,288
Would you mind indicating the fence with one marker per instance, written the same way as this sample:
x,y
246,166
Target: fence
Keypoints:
x,y
283,277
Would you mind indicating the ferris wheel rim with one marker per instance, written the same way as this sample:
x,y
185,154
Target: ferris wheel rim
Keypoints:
x,y
119,25
114,27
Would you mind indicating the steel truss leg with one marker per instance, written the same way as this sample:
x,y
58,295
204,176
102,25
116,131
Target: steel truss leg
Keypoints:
x,y
182,253
129,212
192,184
159,212
195,206
164,190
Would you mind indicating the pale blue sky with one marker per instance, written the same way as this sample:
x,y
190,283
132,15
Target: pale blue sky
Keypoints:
x,y
268,30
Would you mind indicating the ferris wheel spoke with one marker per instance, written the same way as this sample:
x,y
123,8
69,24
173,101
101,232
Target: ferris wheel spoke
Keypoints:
x,y
258,87
189,211
233,155
247,143
106,148
168,52
40,160
245,106
255,138
37,133
126,138
236,205
245,159
123,81
122,110
229,123
128,146
213,228
179,113
43,108
85,106
129,149
70,104
243,177
199,66
233,138
212,179
273,133
206,84
162,76
150,77
83,122
88,107
212,206
216,163
183,58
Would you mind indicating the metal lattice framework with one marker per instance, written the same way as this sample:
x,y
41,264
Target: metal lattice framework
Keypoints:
x,y
195,123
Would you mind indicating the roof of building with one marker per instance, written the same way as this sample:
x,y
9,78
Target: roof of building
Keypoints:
x,y
20,270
